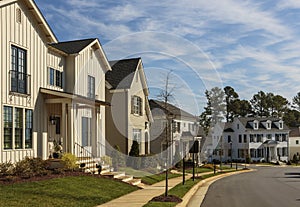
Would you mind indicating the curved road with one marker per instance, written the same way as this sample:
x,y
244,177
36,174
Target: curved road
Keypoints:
x,y
266,187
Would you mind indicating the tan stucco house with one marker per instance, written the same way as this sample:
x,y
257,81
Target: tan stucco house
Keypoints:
x,y
129,116
50,90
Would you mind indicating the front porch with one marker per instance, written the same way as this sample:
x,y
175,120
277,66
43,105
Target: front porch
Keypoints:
x,y
72,120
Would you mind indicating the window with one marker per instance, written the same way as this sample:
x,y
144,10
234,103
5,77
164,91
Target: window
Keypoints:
x,y
255,125
18,76
240,138
137,136
269,136
229,139
245,138
91,87
251,138
55,77
18,128
7,121
14,124
237,126
284,137
284,151
176,127
136,105
28,128
297,141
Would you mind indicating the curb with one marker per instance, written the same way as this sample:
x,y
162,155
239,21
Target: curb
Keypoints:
x,y
187,197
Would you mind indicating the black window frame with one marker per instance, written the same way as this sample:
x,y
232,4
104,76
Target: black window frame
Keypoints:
x,y
18,72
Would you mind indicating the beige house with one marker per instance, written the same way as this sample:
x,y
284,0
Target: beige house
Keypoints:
x,y
129,116
50,90
294,142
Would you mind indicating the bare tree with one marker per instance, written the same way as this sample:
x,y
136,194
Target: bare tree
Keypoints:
x,y
165,95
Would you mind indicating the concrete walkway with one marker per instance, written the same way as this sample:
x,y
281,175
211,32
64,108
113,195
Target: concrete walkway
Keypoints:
x,y
141,197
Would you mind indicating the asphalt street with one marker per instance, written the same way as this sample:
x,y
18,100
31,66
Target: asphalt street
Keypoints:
x,y
266,187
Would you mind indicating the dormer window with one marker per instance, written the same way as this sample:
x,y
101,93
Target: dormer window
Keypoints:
x,y
255,124
268,124
280,125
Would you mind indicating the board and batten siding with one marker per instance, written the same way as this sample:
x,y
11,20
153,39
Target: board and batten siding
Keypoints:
x,y
28,36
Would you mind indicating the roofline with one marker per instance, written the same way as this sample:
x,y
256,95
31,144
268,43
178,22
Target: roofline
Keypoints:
x,y
41,17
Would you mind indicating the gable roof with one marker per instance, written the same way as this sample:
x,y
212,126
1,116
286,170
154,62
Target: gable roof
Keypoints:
x,y
122,73
171,109
32,8
72,47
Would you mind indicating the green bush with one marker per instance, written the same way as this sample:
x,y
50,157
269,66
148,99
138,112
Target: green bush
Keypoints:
x,y
6,169
30,167
107,160
69,161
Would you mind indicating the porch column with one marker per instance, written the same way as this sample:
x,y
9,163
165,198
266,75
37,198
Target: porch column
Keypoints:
x,y
70,126
45,146
94,131
34,143
275,152
63,126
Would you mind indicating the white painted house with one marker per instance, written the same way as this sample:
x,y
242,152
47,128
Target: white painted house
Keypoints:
x,y
261,139
129,116
50,90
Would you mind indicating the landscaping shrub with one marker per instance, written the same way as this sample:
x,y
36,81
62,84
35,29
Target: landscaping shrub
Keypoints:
x,y
69,161
132,160
107,160
6,169
30,167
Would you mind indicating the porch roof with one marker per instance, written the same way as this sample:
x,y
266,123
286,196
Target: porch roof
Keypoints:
x,y
73,97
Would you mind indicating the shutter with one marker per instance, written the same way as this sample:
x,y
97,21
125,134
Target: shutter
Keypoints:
x,y
132,104
141,106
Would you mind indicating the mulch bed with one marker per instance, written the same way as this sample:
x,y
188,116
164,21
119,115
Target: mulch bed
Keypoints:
x,y
169,198
8,180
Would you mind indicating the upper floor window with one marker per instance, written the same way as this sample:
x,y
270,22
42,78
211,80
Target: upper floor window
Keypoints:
x,y
255,125
240,138
136,105
229,139
18,73
297,141
55,77
91,87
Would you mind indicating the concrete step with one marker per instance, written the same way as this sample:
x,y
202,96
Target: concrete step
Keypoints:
x,y
125,178
114,174
134,181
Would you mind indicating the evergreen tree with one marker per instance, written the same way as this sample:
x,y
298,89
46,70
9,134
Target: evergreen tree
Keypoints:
x,y
231,105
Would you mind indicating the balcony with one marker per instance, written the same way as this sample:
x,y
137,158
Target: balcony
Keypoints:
x,y
19,82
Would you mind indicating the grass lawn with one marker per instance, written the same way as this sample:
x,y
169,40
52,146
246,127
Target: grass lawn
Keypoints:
x,y
198,170
158,177
67,191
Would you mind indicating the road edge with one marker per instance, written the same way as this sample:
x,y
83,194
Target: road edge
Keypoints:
x,y
188,196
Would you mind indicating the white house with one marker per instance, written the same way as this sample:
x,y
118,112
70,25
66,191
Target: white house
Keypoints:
x,y
129,116
261,139
50,90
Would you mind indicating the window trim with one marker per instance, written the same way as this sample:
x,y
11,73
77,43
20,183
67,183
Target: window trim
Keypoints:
x,y
52,77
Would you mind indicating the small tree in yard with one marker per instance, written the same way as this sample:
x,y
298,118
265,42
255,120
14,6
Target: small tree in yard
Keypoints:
x,y
132,160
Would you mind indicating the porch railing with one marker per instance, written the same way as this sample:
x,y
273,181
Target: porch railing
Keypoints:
x,y
84,156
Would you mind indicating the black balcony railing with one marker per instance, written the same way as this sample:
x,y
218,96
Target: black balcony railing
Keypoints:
x,y
19,82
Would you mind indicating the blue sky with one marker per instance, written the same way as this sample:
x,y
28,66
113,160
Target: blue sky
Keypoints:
x,y
249,45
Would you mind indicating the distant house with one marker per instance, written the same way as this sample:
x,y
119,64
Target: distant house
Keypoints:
x,y
181,134
260,139
129,116
294,142
50,90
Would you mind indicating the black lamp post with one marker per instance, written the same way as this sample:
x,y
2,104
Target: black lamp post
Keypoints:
x,y
230,154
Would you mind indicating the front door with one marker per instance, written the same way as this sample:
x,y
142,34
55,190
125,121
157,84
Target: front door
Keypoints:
x,y
86,133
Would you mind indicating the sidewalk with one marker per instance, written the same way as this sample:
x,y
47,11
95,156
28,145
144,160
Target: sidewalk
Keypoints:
x,y
141,197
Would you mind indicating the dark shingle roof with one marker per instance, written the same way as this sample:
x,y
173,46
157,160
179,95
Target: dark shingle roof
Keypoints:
x,y
72,47
246,122
122,73
295,132
173,110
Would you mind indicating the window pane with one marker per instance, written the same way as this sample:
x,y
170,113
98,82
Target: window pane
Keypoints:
x,y
7,121
58,78
51,76
28,129
18,70
91,87
18,128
